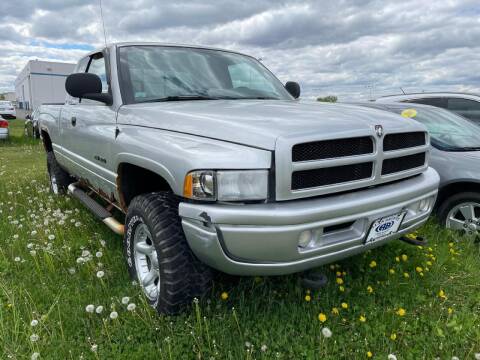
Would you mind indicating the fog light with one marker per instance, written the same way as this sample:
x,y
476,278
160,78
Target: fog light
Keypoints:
x,y
424,205
305,238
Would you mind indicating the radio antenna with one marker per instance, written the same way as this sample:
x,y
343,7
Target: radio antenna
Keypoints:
x,y
103,24
402,91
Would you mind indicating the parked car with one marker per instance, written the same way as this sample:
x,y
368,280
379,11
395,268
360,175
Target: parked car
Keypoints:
x,y
217,165
3,129
466,105
455,154
31,125
7,110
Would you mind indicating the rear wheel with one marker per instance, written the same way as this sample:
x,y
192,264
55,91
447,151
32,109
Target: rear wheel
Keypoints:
x,y
59,178
462,212
158,255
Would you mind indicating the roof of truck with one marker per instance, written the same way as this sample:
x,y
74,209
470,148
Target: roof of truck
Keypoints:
x,y
145,43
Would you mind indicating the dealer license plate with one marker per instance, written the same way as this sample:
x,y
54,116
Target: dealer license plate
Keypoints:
x,y
385,226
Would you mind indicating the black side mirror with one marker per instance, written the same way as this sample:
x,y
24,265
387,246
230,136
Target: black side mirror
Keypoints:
x,y
87,86
293,88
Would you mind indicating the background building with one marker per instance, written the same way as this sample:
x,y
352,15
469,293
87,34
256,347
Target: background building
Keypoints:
x,y
41,82
9,96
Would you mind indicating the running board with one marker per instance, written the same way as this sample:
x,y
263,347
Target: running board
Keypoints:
x,y
97,209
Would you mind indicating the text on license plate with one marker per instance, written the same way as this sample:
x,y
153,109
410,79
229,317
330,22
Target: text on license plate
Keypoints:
x,y
384,227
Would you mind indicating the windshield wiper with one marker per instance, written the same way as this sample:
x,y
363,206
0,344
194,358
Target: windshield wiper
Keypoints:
x,y
179,98
471,148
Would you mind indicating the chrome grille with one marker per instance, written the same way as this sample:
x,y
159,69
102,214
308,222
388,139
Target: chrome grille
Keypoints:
x,y
403,140
328,149
403,163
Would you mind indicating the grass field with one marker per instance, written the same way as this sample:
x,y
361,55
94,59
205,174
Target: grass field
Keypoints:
x,y
415,303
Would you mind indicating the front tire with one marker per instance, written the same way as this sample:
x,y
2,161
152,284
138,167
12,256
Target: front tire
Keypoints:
x,y
158,255
462,212
59,178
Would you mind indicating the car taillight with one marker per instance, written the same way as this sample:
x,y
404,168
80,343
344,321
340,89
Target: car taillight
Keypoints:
x,y
3,124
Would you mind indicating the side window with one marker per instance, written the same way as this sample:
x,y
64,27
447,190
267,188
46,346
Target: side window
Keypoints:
x,y
438,102
82,65
458,104
97,67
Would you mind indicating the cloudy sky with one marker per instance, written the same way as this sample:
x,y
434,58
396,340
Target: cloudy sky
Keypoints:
x,y
353,49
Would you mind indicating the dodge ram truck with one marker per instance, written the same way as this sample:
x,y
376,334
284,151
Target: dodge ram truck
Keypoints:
x,y
217,165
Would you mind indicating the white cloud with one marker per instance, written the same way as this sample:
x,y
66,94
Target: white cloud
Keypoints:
x,y
341,48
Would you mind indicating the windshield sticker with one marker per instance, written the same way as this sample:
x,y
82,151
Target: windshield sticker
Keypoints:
x,y
409,113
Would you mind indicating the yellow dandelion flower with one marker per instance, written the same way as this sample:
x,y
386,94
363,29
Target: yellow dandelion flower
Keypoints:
x,y
441,295
391,271
406,275
450,311
393,337
322,317
418,269
362,318
339,281
404,257
344,305
308,298
401,312
335,311
451,244
338,273
373,264
369,289
344,273
421,274
341,289
429,263
258,279
224,295
397,258
369,354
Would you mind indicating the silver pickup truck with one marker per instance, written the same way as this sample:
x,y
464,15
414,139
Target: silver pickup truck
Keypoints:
x,y
216,164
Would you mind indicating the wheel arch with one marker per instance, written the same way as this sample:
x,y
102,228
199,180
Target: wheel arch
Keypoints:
x,y
456,187
134,179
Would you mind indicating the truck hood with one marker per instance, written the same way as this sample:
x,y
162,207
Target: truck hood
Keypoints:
x,y
259,123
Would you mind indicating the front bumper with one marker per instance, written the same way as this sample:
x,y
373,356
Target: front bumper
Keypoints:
x,y
3,134
262,239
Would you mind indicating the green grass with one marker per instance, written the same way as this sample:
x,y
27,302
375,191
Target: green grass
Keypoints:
x,y
42,236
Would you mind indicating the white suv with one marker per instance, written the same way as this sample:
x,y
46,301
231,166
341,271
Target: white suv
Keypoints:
x,y
7,110
466,105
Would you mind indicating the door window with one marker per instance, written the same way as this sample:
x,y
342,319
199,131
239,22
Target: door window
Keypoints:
x,y
458,104
97,67
433,101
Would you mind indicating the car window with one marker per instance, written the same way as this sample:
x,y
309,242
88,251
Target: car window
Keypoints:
x,y
433,101
97,67
459,104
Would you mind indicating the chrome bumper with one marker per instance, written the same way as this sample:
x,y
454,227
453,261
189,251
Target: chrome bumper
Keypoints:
x,y
263,239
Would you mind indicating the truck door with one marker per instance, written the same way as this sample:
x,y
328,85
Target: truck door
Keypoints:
x,y
89,131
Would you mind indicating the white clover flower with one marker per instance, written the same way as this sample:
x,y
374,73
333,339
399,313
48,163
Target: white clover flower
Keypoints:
x,y
131,307
80,260
326,332
34,337
78,224
125,300
51,237
15,236
99,309
263,348
35,356
94,347
34,322
391,357
71,270
90,308
30,246
477,356
103,243
98,254
248,344
113,315
33,252
455,358
17,259
85,253
100,274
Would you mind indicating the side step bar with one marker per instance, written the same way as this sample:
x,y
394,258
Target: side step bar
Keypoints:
x,y
97,209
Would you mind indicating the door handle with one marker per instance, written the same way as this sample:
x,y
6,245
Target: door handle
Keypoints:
x,y
74,120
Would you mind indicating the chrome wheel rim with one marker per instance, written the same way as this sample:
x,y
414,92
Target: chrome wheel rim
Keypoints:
x,y
53,181
146,262
465,217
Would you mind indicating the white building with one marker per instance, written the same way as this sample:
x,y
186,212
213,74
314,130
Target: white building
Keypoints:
x,y
41,82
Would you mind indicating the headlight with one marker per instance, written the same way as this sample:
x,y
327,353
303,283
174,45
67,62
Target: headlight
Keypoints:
x,y
226,185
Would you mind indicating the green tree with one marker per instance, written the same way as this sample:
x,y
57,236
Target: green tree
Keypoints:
x,y
2,97
329,98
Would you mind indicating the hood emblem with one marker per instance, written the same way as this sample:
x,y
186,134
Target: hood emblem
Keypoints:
x,y
379,130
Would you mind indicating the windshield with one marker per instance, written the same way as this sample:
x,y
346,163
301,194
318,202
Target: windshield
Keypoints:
x,y
161,73
448,131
